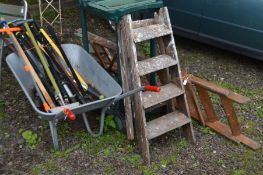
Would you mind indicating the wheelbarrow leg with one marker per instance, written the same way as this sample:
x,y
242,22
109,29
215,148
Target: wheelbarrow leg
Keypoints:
x,y
54,134
102,118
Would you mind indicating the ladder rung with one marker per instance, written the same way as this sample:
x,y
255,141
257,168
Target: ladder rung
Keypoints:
x,y
166,123
142,23
167,92
150,32
154,64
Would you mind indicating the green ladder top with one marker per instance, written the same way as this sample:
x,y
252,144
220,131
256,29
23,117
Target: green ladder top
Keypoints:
x,y
114,10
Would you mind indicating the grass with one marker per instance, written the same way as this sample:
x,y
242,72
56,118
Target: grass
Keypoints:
x,y
104,146
255,107
50,167
260,111
66,153
107,146
182,144
250,161
133,159
2,108
207,130
155,167
109,169
238,172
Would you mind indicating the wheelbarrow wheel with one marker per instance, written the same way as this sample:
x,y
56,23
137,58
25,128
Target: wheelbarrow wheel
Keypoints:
x,y
119,119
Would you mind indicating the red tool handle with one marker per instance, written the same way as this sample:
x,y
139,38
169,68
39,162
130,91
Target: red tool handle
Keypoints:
x,y
69,114
152,88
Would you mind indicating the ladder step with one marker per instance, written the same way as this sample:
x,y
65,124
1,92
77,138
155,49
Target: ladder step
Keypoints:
x,y
150,32
142,23
154,64
166,123
168,92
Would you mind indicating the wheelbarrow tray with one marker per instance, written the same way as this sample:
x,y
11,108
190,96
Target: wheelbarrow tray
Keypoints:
x,y
85,65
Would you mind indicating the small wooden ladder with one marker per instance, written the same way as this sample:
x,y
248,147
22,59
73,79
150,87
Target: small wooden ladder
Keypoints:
x,y
167,67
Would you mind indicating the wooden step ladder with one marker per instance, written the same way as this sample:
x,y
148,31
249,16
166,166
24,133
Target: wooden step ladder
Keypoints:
x,y
168,69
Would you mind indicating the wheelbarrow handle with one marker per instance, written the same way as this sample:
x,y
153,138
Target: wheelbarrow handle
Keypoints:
x,y
152,88
69,114
142,88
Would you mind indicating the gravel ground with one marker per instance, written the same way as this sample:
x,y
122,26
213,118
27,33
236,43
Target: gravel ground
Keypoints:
x,y
112,153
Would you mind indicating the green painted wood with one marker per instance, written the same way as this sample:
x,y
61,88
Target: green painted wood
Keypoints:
x,y
115,9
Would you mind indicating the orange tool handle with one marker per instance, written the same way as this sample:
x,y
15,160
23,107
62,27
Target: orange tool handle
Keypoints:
x,y
69,114
10,30
152,88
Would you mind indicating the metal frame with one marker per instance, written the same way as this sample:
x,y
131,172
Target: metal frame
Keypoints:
x,y
45,5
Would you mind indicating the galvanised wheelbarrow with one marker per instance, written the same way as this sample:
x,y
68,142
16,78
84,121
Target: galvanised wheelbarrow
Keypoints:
x,y
91,71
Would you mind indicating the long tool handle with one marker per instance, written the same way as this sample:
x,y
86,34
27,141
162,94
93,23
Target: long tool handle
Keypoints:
x,y
66,75
32,57
43,61
74,74
60,55
42,98
66,59
28,64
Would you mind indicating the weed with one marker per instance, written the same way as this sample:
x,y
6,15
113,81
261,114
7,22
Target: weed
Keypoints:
x,y
260,111
182,144
130,148
112,139
3,130
238,172
172,159
50,167
107,152
64,129
109,123
146,48
220,162
250,126
31,138
157,166
248,158
207,130
147,171
134,160
109,169
66,153
195,123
